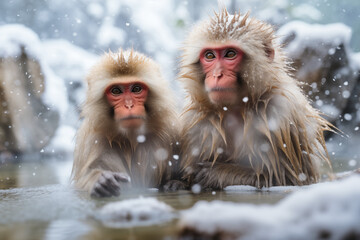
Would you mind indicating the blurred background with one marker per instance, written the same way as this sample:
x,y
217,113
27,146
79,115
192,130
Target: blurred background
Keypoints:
x,y
47,47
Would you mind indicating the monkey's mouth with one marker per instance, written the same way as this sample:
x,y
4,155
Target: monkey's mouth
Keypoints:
x,y
131,121
221,89
221,95
132,117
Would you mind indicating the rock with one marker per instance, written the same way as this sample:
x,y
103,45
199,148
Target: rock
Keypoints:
x,y
322,60
28,115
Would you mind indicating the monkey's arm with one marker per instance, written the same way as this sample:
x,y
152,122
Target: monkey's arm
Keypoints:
x,y
221,175
99,170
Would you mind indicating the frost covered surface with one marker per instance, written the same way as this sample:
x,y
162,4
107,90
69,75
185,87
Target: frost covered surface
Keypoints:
x,y
135,212
327,210
314,34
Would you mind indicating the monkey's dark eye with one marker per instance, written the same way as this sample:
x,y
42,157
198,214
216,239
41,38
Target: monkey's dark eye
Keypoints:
x,y
116,91
209,55
230,54
136,89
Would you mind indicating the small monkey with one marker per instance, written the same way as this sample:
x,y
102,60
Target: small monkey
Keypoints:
x,y
247,121
127,137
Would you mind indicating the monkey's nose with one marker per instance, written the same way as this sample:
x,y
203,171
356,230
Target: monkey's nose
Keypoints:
x,y
217,76
217,72
129,104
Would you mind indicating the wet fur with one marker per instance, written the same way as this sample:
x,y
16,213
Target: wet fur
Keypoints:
x,y
101,146
275,138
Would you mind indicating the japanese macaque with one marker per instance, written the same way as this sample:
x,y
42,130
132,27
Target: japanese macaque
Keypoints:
x,y
247,121
127,137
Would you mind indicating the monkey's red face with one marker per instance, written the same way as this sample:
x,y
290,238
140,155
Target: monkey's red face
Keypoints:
x,y
128,101
220,66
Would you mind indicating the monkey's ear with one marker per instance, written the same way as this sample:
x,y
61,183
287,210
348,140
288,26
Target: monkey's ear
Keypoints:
x,y
269,51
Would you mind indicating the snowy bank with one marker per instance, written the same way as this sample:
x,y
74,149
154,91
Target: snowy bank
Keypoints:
x,y
135,212
327,210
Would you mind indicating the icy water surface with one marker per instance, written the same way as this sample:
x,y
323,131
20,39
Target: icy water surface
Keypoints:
x,y
37,202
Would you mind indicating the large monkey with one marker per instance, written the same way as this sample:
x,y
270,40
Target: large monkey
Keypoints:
x,y
247,121
128,133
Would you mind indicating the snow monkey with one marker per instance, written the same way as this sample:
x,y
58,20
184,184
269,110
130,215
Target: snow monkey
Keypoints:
x,y
247,120
127,137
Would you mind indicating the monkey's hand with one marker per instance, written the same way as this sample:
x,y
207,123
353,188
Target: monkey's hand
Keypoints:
x,y
174,185
220,175
109,184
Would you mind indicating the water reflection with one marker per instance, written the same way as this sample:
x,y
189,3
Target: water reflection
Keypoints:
x,y
37,202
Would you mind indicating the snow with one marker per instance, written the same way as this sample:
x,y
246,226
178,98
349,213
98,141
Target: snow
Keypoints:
x,y
14,38
326,209
330,110
356,59
55,94
109,34
67,60
96,10
306,11
135,212
313,34
63,141
71,63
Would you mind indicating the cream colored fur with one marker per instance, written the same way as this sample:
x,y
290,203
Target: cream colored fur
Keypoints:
x,y
273,137
101,145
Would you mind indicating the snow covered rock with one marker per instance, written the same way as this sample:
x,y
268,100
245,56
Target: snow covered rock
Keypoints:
x,y
33,98
323,61
135,212
322,211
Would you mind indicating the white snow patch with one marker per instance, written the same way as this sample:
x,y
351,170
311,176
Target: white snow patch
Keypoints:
x,y
63,141
141,139
306,11
55,94
135,212
330,110
196,188
109,34
331,208
346,94
95,9
313,34
14,37
68,61
356,59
